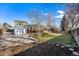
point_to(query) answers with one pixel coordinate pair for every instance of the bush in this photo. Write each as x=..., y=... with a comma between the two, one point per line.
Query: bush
x=10, y=30
x=54, y=30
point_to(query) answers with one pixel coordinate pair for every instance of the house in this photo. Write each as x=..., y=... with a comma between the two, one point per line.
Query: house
x=19, y=22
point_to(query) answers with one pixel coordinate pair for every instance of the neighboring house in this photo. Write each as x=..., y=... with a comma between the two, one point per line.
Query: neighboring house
x=20, y=23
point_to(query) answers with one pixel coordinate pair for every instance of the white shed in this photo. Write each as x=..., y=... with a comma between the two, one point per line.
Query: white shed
x=20, y=31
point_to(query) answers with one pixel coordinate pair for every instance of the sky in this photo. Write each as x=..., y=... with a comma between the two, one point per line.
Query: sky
x=19, y=11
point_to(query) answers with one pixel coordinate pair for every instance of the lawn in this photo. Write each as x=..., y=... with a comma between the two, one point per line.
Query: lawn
x=65, y=39
x=44, y=37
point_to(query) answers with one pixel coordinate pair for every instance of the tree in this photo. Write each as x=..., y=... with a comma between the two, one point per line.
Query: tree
x=72, y=14
x=63, y=24
x=36, y=15
x=6, y=26
x=50, y=21
x=71, y=18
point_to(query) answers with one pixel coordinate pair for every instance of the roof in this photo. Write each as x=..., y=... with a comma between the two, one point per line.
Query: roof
x=20, y=21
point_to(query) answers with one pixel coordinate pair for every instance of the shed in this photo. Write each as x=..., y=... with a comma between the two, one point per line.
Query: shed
x=20, y=31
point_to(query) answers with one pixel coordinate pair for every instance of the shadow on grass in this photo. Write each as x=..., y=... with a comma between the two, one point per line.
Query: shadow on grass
x=48, y=48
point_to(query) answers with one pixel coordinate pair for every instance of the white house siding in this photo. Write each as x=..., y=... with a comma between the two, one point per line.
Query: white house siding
x=20, y=31
x=75, y=34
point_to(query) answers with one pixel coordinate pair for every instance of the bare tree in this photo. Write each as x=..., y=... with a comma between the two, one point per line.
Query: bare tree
x=71, y=18
x=72, y=15
x=35, y=15
x=50, y=21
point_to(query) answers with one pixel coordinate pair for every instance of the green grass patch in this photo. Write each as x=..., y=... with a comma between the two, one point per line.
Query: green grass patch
x=65, y=39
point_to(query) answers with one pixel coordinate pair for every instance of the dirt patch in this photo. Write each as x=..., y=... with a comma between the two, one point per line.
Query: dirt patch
x=15, y=49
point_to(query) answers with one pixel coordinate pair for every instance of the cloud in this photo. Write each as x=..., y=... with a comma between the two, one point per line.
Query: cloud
x=60, y=12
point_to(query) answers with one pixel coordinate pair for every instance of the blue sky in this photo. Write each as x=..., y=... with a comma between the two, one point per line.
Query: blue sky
x=18, y=11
